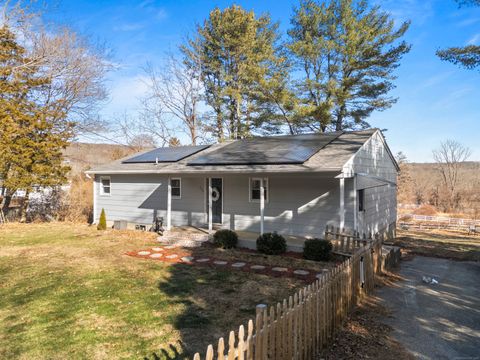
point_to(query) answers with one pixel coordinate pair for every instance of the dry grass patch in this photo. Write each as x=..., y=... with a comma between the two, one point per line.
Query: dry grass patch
x=69, y=291
x=448, y=244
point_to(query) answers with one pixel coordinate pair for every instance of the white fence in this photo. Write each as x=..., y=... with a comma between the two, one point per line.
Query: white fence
x=440, y=219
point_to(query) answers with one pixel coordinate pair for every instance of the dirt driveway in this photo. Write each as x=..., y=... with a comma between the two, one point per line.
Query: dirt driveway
x=439, y=321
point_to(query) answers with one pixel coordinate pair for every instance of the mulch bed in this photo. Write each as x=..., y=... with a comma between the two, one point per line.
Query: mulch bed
x=182, y=252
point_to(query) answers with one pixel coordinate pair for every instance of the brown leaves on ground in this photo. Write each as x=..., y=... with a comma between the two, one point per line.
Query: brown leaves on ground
x=440, y=243
x=364, y=336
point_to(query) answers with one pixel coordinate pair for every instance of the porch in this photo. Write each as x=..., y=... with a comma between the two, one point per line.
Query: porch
x=294, y=205
x=191, y=236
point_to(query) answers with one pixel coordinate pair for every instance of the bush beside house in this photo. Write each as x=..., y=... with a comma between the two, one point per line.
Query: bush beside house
x=317, y=249
x=226, y=239
x=271, y=244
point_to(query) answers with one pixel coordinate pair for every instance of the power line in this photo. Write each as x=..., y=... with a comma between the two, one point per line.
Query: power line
x=103, y=136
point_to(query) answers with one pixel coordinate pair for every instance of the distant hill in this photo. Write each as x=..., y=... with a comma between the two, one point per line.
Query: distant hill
x=83, y=156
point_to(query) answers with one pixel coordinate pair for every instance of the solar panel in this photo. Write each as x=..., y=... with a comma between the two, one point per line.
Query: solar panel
x=295, y=149
x=167, y=154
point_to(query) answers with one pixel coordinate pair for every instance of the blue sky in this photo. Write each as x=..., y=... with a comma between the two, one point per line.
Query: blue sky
x=436, y=99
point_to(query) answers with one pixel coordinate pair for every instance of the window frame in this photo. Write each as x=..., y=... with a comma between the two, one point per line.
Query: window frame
x=102, y=190
x=361, y=200
x=176, y=197
x=250, y=188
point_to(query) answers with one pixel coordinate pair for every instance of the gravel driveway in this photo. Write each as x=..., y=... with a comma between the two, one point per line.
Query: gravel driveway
x=439, y=321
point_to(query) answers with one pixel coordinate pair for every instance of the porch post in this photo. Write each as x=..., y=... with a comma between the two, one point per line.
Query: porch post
x=210, y=227
x=262, y=204
x=355, y=210
x=342, y=202
x=95, y=189
x=169, y=204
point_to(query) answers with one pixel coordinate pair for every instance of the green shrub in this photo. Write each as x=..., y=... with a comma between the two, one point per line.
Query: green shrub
x=102, y=223
x=225, y=239
x=317, y=249
x=271, y=244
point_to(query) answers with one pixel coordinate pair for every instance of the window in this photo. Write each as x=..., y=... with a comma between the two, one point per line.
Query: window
x=176, y=185
x=255, y=189
x=361, y=199
x=105, y=186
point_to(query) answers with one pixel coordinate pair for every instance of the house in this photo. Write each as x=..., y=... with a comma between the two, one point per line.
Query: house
x=294, y=185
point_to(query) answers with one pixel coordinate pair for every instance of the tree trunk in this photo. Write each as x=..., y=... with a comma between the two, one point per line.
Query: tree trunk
x=339, y=122
x=232, y=126
x=219, y=121
x=24, y=208
x=7, y=199
x=193, y=130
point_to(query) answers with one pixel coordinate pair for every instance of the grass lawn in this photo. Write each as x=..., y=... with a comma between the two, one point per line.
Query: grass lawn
x=448, y=244
x=68, y=291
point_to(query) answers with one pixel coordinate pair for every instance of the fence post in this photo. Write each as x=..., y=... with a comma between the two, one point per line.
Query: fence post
x=258, y=332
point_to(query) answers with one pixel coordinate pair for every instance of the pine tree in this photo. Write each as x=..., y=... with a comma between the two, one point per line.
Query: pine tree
x=465, y=56
x=32, y=136
x=237, y=52
x=347, y=53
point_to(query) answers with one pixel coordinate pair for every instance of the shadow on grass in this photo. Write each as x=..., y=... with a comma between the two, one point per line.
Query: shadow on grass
x=194, y=290
x=174, y=352
x=208, y=301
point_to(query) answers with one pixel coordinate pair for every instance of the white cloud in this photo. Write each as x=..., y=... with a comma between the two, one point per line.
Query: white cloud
x=125, y=94
x=474, y=40
x=468, y=22
x=161, y=14
x=436, y=79
x=128, y=27
x=418, y=11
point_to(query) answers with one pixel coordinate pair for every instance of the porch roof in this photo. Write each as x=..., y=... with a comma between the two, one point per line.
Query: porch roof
x=328, y=159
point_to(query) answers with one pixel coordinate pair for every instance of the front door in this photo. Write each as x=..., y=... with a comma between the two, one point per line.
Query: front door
x=217, y=200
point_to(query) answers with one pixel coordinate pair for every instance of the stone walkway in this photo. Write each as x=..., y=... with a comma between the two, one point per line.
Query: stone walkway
x=174, y=254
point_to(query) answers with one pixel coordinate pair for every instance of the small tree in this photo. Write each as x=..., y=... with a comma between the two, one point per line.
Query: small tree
x=448, y=157
x=102, y=223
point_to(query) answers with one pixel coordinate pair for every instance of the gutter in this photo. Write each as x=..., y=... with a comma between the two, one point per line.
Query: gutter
x=213, y=171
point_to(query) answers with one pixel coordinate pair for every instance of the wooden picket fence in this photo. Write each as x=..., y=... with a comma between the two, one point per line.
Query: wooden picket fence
x=300, y=326
x=345, y=242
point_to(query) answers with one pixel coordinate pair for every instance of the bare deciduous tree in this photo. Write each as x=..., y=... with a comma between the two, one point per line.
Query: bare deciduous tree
x=177, y=90
x=76, y=66
x=448, y=157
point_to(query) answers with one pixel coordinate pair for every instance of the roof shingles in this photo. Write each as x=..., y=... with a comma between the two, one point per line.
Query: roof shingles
x=330, y=157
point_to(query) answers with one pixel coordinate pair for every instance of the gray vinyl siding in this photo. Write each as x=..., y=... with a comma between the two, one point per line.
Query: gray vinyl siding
x=139, y=198
x=380, y=201
x=298, y=205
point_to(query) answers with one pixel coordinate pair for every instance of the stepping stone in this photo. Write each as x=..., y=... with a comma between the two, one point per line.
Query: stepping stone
x=156, y=256
x=173, y=256
x=187, y=258
x=301, y=272
x=144, y=253
x=169, y=247
x=279, y=269
x=157, y=249
x=238, y=264
x=257, y=267
x=203, y=260
x=220, y=262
